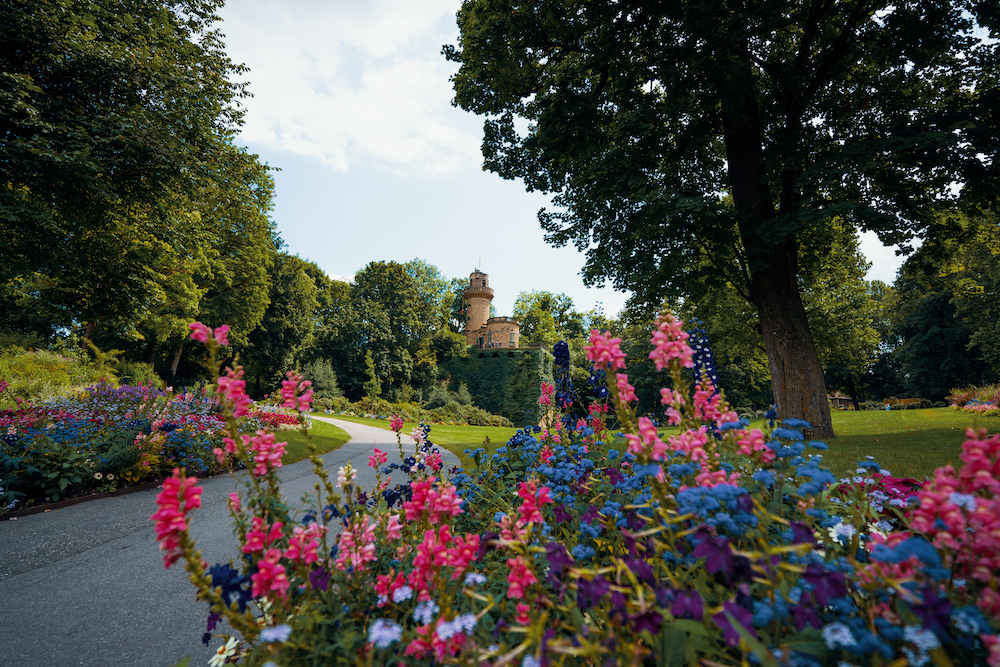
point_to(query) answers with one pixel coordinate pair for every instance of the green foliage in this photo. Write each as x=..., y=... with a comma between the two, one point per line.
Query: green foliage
x=504, y=382
x=53, y=468
x=373, y=388
x=710, y=141
x=38, y=374
x=117, y=142
x=547, y=318
x=323, y=377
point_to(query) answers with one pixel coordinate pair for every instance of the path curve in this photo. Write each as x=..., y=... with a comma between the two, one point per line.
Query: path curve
x=85, y=584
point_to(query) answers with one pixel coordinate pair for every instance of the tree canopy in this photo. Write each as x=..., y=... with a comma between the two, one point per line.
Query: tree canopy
x=708, y=138
x=119, y=180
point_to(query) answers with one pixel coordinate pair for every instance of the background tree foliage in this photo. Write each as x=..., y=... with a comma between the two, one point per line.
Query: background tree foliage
x=646, y=119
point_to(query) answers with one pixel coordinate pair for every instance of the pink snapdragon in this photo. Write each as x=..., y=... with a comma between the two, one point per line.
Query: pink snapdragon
x=232, y=386
x=626, y=392
x=670, y=342
x=752, y=442
x=303, y=545
x=533, y=498
x=393, y=528
x=356, y=545
x=605, y=351
x=647, y=441
x=378, y=458
x=548, y=390
x=296, y=393
x=519, y=577
x=396, y=423
x=270, y=576
x=260, y=536
x=437, y=501
x=178, y=497
x=386, y=585
x=267, y=452
x=203, y=333
x=691, y=443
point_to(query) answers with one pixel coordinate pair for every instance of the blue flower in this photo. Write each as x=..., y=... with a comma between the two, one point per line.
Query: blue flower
x=384, y=633
x=426, y=611
x=278, y=633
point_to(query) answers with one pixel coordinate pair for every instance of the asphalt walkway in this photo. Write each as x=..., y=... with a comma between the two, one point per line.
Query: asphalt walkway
x=85, y=584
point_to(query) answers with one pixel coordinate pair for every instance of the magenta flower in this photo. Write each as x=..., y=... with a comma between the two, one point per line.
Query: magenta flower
x=605, y=351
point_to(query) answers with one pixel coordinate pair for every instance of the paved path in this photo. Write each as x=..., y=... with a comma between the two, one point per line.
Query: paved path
x=85, y=584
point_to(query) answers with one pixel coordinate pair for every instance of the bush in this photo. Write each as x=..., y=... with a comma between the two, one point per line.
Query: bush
x=36, y=375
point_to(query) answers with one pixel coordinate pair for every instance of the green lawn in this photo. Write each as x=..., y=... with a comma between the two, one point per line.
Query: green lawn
x=326, y=438
x=455, y=439
x=909, y=443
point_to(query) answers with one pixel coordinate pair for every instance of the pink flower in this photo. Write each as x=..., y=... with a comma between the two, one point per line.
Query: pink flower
x=268, y=453
x=626, y=392
x=270, y=575
x=234, y=501
x=548, y=390
x=670, y=342
x=519, y=577
x=396, y=423
x=356, y=545
x=605, y=351
x=532, y=501
x=378, y=458
x=523, y=617
x=647, y=441
x=178, y=497
x=295, y=392
x=434, y=461
x=222, y=334
x=260, y=537
x=304, y=543
x=232, y=386
x=393, y=529
x=200, y=332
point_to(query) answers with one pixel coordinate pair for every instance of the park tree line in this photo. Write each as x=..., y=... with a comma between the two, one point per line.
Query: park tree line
x=716, y=158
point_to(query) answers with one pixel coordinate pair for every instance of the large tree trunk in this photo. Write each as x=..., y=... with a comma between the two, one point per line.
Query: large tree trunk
x=772, y=254
x=88, y=331
x=796, y=373
x=177, y=360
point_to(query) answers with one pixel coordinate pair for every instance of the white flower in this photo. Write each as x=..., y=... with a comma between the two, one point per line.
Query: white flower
x=225, y=651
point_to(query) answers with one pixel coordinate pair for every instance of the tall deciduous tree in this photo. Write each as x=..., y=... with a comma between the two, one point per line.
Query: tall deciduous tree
x=114, y=119
x=640, y=115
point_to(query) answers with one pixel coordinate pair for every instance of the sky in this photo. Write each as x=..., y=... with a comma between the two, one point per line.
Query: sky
x=352, y=102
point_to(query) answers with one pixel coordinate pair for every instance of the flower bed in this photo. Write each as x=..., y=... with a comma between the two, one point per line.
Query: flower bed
x=718, y=545
x=105, y=437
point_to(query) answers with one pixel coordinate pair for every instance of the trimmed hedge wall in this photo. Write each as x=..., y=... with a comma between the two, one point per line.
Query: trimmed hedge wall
x=504, y=382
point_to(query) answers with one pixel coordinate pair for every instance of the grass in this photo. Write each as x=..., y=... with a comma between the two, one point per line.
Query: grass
x=326, y=438
x=454, y=438
x=908, y=443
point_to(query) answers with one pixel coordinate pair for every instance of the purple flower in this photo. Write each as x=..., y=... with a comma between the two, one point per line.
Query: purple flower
x=559, y=559
x=278, y=633
x=560, y=513
x=733, y=613
x=688, y=604
x=486, y=544
x=805, y=614
x=589, y=593
x=826, y=585
x=319, y=579
x=649, y=620
x=716, y=551
x=643, y=572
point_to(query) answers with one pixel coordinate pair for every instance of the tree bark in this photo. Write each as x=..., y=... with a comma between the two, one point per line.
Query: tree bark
x=796, y=373
x=177, y=360
x=88, y=331
x=772, y=255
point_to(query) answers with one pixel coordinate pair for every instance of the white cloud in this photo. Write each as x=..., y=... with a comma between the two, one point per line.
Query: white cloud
x=343, y=82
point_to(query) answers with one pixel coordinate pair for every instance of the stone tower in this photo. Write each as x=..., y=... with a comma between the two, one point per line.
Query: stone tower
x=478, y=296
x=481, y=330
